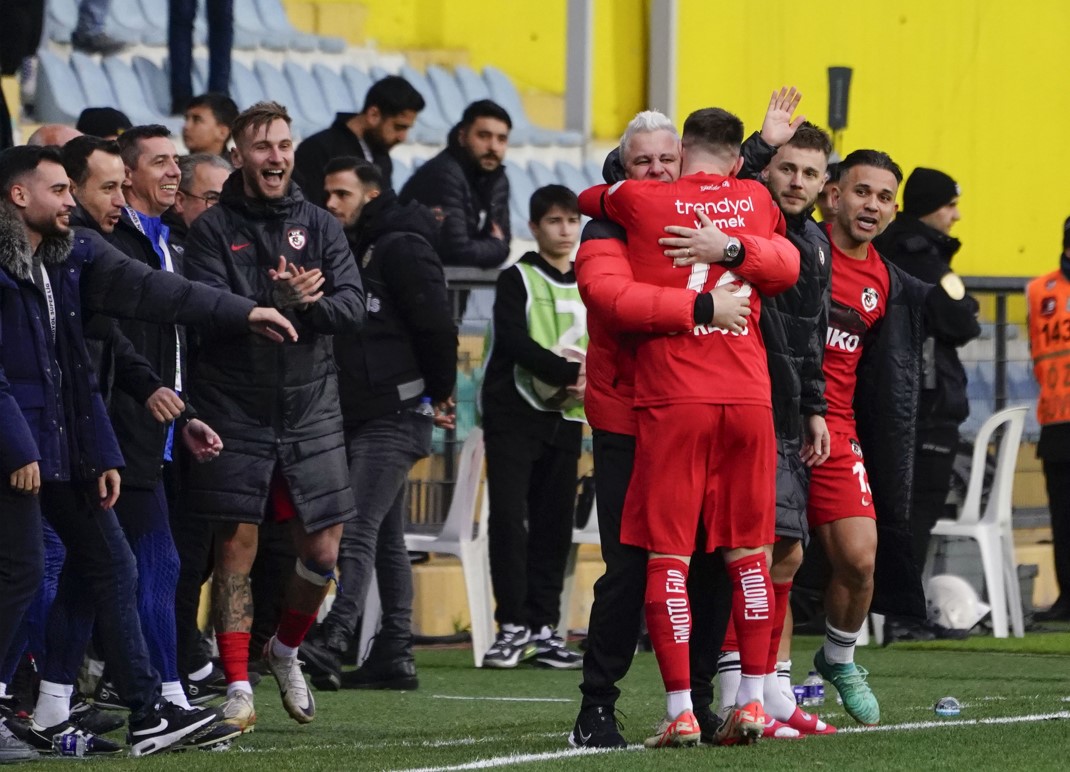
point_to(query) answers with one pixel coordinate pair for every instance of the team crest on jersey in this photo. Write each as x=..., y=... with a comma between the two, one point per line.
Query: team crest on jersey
x=869, y=298
x=1049, y=284
x=297, y=238
x=856, y=448
x=1047, y=306
x=820, y=255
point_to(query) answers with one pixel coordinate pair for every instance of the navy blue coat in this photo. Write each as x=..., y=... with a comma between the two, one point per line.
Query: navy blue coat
x=62, y=422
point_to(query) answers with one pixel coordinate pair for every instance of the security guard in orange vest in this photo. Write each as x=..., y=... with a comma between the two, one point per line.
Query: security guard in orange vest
x=1048, y=299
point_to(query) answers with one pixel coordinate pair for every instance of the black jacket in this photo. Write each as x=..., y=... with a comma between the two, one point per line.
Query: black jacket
x=408, y=347
x=314, y=153
x=272, y=404
x=502, y=406
x=468, y=201
x=926, y=253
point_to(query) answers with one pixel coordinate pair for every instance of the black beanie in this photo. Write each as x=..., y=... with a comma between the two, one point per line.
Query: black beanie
x=102, y=122
x=927, y=190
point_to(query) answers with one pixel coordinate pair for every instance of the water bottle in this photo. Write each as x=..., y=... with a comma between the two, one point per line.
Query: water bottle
x=815, y=690
x=425, y=408
x=68, y=744
x=800, y=693
x=948, y=707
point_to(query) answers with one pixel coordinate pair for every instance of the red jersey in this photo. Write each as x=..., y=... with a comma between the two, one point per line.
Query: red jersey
x=859, y=298
x=709, y=364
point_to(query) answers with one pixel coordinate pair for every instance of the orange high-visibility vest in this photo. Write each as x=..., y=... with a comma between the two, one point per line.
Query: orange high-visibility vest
x=1048, y=299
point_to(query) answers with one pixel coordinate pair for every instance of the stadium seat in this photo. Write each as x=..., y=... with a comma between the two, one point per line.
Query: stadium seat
x=247, y=21
x=126, y=21
x=59, y=97
x=359, y=83
x=520, y=189
x=155, y=83
x=61, y=18
x=991, y=526
x=277, y=87
x=593, y=170
x=309, y=95
x=200, y=75
x=451, y=99
x=431, y=127
x=277, y=23
x=402, y=171
x=131, y=97
x=245, y=88
x=471, y=84
x=571, y=177
x=542, y=175
x=335, y=91
x=462, y=535
x=503, y=91
x=95, y=86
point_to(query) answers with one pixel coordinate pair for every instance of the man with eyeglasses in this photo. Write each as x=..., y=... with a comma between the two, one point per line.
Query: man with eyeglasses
x=203, y=175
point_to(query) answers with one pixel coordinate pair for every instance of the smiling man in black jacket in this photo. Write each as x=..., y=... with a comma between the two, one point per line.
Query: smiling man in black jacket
x=396, y=378
x=276, y=409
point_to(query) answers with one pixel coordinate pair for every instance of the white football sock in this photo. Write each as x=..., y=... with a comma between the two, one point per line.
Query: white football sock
x=840, y=644
x=727, y=679
x=53, y=704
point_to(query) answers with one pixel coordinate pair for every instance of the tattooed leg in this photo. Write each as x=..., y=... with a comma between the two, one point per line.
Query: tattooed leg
x=232, y=596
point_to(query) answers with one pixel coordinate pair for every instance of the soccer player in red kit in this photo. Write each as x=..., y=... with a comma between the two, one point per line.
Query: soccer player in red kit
x=705, y=449
x=840, y=507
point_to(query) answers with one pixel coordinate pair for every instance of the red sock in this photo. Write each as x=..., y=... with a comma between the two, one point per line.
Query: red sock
x=668, y=620
x=234, y=655
x=781, y=591
x=293, y=627
x=752, y=612
x=730, y=641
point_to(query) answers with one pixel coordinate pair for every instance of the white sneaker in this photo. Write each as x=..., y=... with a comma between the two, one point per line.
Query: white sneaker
x=238, y=711
x=296, y=696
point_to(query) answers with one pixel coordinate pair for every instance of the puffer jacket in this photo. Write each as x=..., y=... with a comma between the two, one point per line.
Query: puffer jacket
x=469, y=202
x=273, y=405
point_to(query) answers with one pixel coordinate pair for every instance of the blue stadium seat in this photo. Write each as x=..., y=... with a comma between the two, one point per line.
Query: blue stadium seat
x=245, y=88
x=593, y=170
x=155, y=83
x=61, y=18
x=59, y=97
x=335, y=91
x=1021, y=385
x=472, y=86
x=542, y=175
x=358, y=82
x=276, y=87
x=377, y=73
x=503, y=91
x=571, y=177
x=521, y=186
x=451, y=100
x=200, y=75
x=309, y=95
x=431, y=127
x=247, y=20
x=126, y=21
x=98, y=91
x=402, y=172
x=131, y=98
x=273, y=17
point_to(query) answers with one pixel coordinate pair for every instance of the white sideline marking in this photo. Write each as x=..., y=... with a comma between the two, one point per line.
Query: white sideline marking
x=527, y=758
x=502, y=699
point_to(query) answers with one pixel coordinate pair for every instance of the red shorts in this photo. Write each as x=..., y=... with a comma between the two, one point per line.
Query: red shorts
x=708, y=464
x=280, y=506
x=839, y=488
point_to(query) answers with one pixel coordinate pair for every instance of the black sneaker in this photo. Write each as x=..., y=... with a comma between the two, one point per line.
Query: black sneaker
x=550, y=651
x=216, y=737
x=709, y=722
x=322, y=664
x=106, y=697
x=97, y=43
x=91, y=718
x=41, y=738
x=202, y=690
x=509, y=647
x=398, y=674
x=12, y=749
x=167, y=725
x=597, y=727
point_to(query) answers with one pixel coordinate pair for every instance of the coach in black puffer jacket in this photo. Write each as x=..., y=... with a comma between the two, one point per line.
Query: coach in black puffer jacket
x=468, y=191
x=272, y=405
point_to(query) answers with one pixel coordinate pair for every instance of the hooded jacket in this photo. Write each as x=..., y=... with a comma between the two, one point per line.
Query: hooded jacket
x=51, y=410
x=924, y=252
x=272, y=404
x=468, y=201
x=408, y=347
x=337, y=140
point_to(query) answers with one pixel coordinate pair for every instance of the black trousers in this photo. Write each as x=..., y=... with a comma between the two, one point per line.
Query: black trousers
x=1057, y=480
x=532, y=488
x=22, y=560
x=936, y=448
x=616, y=613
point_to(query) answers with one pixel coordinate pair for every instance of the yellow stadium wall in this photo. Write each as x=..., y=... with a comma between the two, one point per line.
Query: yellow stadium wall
x=976, y=88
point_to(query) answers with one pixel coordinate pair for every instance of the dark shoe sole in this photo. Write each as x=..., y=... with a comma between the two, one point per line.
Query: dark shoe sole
x=325, y=682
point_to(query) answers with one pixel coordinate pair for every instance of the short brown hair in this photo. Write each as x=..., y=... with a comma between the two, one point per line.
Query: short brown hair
x=256, y=117
x=810, y=137
x=714, y=130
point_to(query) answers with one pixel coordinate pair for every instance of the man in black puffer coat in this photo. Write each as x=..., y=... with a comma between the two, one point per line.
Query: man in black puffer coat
x=276, y=409
x=465, y=185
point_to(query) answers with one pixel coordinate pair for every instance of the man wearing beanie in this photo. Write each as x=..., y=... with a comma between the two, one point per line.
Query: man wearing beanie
x=919, y=242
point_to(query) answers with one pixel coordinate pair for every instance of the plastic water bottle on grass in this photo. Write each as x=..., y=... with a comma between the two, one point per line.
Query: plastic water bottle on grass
x=815, y=690
x=948, y=707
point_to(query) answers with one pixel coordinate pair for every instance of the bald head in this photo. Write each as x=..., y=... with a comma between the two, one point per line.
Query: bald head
x=53, y=134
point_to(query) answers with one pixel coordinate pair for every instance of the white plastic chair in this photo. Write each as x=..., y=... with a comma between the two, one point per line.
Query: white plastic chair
x=463, y=537
x=586, y=535
x=991, y=529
